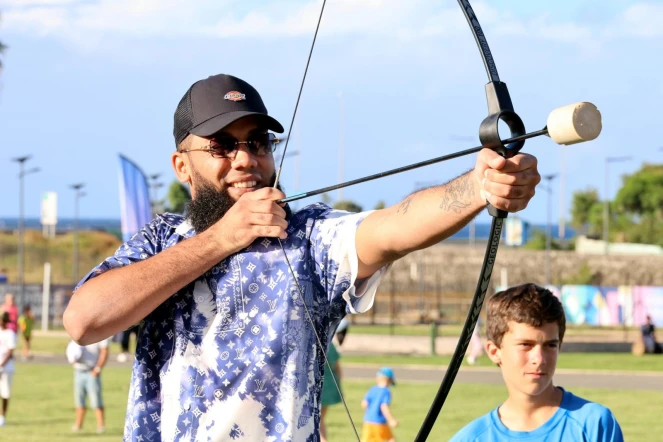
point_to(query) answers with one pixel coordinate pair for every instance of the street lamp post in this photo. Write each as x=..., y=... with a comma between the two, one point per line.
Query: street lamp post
x=155, y=187
x=78, y=194
x=21, y=252
x=548, y=178
x=606, y=202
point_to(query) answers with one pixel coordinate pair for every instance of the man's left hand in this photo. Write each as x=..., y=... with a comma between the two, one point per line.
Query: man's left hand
x=506, y=183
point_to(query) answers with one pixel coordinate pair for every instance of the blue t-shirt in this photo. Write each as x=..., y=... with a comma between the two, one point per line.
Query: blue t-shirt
x=576, y=420
x=232, y=355
x=375, y=397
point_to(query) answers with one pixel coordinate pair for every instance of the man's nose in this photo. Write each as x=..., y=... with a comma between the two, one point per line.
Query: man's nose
x=244, y=158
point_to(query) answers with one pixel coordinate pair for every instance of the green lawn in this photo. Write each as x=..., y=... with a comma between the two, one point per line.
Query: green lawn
x=41, y=408
x=578, y=361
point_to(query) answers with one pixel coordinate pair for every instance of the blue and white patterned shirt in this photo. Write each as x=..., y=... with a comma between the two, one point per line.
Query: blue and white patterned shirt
x=232, y=356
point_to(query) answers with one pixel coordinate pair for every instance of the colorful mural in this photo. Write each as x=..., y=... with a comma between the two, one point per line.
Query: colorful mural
x=603, y=306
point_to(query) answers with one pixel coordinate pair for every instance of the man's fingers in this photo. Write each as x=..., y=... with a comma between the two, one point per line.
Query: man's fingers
x=493, y=160
x=266, y=193
x=490, y=159
x=268, y=219
x=507, y=191
x=270, y=231
x=518, y=163
x=508, y=205
x=522, y=178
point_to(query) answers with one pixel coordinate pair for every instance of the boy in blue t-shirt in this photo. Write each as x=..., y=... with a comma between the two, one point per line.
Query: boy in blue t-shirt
x=378, y=419
x=525, y=326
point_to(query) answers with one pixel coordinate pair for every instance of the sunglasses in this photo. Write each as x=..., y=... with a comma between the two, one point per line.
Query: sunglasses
x=225, y=146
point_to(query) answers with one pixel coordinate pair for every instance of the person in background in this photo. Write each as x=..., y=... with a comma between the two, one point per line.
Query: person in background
x=25, y=323
x=378, y=419
x=124, y=343
x=9, y=306
x=649, y=337
x=330, y=394
x=476, y=347
x=88, y=361
x=7, y=347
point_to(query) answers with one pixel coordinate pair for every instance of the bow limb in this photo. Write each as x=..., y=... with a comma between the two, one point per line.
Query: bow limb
x=499, y=108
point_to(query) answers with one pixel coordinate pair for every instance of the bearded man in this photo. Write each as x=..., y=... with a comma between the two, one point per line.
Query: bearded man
x=226, y=350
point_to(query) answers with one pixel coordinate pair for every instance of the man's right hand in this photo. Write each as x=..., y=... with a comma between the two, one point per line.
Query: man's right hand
x=254, y=215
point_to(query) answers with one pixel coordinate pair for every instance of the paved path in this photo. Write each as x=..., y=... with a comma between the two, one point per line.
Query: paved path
x=477, y=375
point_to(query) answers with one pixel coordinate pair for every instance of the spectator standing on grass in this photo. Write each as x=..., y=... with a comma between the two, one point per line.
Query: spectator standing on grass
x=378, y=420
x=9, y=306
x=7, y=347
x=124, y=343
x=330, y=394
x=476, y=346
x=525, y=328
x=25, y=323
x=649, y=336
x=88, y=362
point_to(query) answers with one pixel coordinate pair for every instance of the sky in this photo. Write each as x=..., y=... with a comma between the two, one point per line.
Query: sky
x=394, y=82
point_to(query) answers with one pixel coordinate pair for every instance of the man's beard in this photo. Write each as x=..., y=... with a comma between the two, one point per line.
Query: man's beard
x=211, y=204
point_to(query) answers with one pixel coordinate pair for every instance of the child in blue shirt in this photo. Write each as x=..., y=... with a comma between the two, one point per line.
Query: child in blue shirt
x=525, y=326
x=378, y=419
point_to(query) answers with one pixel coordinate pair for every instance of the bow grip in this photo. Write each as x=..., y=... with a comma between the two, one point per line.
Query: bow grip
x=500, y=108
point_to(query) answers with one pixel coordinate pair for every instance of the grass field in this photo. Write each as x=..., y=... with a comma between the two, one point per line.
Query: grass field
x=577, y=361
x=42, y=407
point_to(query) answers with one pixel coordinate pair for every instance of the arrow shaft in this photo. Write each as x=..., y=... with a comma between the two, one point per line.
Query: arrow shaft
x=386, y=173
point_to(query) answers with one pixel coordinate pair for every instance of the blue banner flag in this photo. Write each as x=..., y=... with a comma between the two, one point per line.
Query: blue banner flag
x=135, y=207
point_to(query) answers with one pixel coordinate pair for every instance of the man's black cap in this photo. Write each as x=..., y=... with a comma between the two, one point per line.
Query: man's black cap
x=212, y=104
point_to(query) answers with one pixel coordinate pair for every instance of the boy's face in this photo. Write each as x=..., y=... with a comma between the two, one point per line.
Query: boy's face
x=527, y=357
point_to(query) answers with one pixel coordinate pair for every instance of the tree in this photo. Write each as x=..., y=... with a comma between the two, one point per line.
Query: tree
x=380, y=205
x=347, y=205
x=642, y=192
x=585, y=209
x=640, y=201
x=178, y=197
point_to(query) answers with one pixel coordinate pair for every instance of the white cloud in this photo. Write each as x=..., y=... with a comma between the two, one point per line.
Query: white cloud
x=405, y=20
x=641, y=20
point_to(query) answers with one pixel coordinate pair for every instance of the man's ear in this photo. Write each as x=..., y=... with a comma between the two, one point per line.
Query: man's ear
x=494, y=353
x=181, y=167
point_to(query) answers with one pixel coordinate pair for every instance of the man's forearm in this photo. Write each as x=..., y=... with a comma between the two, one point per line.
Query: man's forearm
x=422, y=219
x=120, y=298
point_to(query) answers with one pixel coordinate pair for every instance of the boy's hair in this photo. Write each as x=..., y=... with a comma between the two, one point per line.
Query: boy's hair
x=4, y=319
x=525, y=304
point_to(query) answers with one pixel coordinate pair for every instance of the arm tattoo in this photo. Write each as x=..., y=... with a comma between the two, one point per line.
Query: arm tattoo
x=457, y=194
x=405, y=205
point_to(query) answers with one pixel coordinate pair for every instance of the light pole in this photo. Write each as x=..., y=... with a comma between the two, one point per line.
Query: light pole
x=549, y=179
x=341, y=148
x=606, y=202
x=21, y=253
x=155, y=187
x=78, y=194
x=561, y=229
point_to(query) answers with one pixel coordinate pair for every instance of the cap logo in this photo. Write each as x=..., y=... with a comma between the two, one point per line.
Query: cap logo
x=234, y=96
